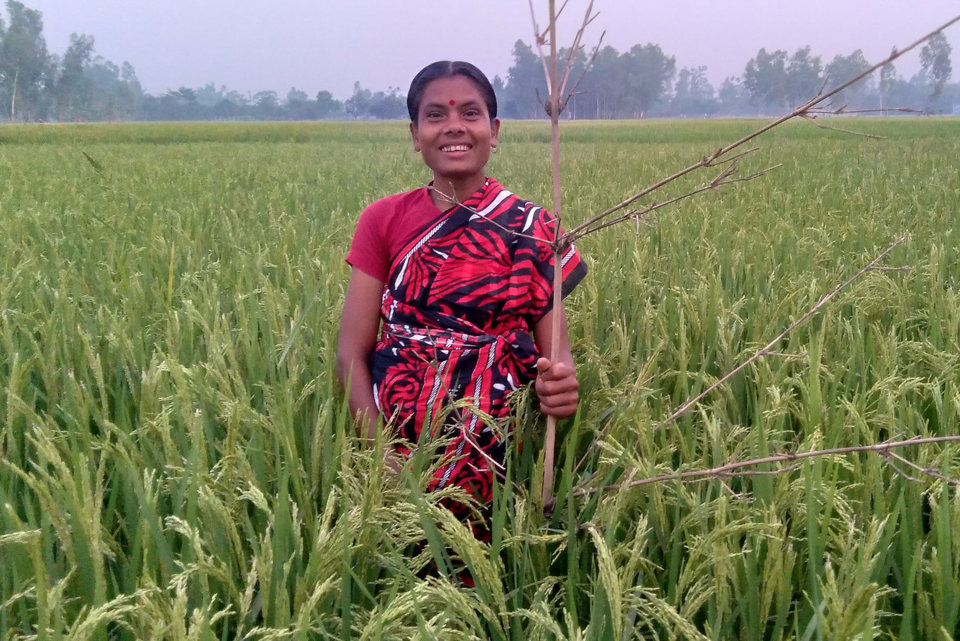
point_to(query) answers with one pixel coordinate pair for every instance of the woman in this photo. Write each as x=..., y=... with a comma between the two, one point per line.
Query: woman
x=454, y=277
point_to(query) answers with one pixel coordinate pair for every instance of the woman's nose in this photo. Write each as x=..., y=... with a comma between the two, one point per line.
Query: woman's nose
x=455, y=123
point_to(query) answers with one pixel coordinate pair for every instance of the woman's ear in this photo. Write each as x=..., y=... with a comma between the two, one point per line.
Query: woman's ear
x=415, y=135
x=495, y=138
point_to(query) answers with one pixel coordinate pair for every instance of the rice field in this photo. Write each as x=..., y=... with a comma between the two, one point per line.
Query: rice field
x=176, y=461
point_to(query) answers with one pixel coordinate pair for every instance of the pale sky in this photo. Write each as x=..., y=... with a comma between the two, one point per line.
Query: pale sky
x=250, y=45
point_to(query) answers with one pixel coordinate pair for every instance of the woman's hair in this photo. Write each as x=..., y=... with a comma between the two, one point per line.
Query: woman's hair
x=447, y=69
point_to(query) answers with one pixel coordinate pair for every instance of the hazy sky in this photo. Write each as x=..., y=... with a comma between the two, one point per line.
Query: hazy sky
x=325, y=44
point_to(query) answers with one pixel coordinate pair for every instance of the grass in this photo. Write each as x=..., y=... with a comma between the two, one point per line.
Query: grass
x=176, y=462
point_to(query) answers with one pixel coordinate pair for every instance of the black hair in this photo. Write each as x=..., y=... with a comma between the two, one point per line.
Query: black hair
x=447, y=69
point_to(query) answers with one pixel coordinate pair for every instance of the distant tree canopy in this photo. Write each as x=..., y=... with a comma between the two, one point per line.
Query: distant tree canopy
x=644, y=81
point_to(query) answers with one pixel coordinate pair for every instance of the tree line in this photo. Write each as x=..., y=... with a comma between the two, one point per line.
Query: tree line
x=643, y=81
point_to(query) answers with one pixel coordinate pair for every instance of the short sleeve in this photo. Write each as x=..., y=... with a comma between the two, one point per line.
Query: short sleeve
x=369, y=251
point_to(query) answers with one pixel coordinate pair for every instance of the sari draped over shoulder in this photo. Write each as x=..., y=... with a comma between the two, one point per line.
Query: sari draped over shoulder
x=460, y=302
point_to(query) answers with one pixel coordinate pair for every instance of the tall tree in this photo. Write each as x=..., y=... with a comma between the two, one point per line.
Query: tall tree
x=116, y=92
x=732, y=97
x=526, y=88
x=843, y=68
x=765, y=80
x=693, y=94
x=935, y=62
x=358, y=105
x=603, y=87
x=74, y=90
x=804, y=76
x=888, y=78
x=25, y=65
x=327, y=105
x=298, y=105
x=649, y=73
x=266, y=105
x=388, y=105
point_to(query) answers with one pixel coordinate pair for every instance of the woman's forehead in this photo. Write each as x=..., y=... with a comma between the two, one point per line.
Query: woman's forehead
x=458, y=88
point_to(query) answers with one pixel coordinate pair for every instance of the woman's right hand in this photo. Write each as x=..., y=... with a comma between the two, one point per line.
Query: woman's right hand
x=359, y=324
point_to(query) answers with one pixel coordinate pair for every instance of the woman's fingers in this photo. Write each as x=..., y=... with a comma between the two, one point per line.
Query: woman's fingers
x=557, y=388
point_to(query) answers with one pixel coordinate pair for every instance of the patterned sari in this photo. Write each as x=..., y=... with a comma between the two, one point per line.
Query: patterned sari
x=460, y=302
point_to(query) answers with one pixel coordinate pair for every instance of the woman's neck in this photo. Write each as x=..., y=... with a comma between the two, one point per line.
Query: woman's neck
x=447, y=192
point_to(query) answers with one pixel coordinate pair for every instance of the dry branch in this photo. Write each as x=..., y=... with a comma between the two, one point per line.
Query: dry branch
x=557, y=100
x=767, y=350
x=736, y=468
x=806, y=109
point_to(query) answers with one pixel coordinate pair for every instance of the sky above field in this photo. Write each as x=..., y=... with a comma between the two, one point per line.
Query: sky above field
x=321, y=44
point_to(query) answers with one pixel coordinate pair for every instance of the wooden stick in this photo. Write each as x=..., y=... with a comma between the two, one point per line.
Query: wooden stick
x=551, y=435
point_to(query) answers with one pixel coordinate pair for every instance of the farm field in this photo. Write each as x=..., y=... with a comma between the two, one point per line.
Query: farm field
x=176, y=461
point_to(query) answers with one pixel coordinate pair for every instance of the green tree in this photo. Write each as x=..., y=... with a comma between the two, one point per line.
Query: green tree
x=609, y=83
x=74, y=89
x=526, y=87
x=25, y=65
x=888, y=79
x=117, y=92
x=649, y=73
x=843, y=68
x=732, y=97
x=804, y=76
x=92, y=88
x=693, y=94
x=389, y=105
x=266, y=105
x=935, y=62
x=358, y=105
x=326, y=105
x=298, y=105
x=765, y=80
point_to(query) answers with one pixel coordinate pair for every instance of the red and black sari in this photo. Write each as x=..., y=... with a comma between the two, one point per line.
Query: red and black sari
x=460, y=302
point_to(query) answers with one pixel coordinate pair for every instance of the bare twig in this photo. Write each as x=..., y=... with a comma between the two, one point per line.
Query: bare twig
x=815, y=122
x=928, y=471
x=555, y=103
x=805, y=109
x=737, y=468
x=453, y=200
x=767, y=350
x=724, y=178
x=843, y=111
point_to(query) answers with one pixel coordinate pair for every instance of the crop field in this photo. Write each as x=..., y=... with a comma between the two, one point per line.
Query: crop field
x=176, y=461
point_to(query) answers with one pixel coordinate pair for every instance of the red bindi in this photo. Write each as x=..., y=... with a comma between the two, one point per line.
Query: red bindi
x=453, y=102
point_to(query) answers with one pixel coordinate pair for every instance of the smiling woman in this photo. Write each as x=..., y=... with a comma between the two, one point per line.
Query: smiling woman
x=449, y=304
x=455, y=132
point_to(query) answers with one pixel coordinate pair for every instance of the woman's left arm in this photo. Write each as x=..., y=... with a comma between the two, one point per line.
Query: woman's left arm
x=556, y=382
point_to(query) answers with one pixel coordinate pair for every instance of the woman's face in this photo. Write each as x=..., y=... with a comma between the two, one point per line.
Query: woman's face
x=454, y=133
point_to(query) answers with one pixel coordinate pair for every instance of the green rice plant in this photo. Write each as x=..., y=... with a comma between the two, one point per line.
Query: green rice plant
x=176, y=460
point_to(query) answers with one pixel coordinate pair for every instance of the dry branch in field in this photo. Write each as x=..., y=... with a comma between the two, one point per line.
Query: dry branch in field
x=738, y=468
x=767, y=350
x=558, y=96
x=806, y=111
